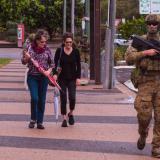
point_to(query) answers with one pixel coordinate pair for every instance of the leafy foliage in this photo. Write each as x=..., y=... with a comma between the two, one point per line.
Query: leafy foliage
x=11, y=31
x=104, y=14
x=35, y=14
x=127, y=9
x=2, y=29
x=119, y=53
x=78, y=14
x=135, y=26
x=124, y=9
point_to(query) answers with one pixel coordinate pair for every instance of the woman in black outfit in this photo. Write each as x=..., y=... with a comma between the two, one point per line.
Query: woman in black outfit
x=67, y=61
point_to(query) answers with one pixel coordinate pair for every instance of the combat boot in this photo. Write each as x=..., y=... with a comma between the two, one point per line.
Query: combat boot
x=156, y=152
x=141, y=142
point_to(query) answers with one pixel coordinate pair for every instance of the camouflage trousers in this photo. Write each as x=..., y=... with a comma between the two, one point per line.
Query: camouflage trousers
x=146, y=103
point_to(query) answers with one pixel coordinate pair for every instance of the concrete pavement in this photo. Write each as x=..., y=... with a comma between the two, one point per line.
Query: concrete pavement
x=105, y=128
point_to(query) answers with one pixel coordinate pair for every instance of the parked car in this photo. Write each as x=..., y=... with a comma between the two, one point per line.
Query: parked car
x=120, y=41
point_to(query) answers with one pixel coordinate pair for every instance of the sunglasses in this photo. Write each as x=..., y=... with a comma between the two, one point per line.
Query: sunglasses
x=152, y=23
x=68, y=42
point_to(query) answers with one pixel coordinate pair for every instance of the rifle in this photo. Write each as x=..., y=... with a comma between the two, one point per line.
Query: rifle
x=141, y=44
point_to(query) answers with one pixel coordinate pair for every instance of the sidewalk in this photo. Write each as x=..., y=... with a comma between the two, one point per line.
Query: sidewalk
x=105, y=129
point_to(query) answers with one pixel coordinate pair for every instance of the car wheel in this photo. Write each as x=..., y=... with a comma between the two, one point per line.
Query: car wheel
x=116, y=45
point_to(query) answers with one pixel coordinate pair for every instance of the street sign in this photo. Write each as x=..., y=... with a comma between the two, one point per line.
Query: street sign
x=149, y=6
x=155, y=6
x=144, y=6
x=20, y=35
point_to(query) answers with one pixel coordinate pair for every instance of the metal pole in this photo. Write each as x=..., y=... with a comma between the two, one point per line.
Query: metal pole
x=108, y=12
x=92, y=46
x=106, y=83
x=64, y=16
x=87, y=14
x=112, y=26
x=109, y=47
x=97, y=42
x=72, y=16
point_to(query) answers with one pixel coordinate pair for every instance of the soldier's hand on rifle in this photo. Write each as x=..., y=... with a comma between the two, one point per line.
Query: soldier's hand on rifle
x=150, y=52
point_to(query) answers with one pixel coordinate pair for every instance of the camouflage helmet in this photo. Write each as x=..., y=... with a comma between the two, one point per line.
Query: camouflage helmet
x=152, y=18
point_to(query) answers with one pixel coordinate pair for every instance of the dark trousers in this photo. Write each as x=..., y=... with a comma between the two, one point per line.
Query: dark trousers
x=38, y=87
x=70, y=86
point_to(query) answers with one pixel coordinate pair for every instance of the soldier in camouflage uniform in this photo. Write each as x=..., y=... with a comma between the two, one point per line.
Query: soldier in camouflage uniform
x=148, y=84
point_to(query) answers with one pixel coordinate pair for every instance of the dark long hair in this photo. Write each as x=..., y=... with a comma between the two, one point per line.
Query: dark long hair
x=68, y=35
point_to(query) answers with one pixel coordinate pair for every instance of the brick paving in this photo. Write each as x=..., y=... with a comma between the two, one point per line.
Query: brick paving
x=105, y=128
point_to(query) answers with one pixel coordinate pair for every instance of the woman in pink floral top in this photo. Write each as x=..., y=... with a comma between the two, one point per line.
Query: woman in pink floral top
x=37, y=82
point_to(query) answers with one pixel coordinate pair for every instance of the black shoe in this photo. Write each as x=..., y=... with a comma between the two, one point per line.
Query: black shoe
x=31, y=124
x=71, y=119
x=64, y=123
x=141, y=142
x=40, y=126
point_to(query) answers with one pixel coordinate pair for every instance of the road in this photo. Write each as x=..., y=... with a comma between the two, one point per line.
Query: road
x=13, y=53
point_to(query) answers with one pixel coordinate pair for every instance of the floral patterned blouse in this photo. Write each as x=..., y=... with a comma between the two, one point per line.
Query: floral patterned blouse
x=44, y=58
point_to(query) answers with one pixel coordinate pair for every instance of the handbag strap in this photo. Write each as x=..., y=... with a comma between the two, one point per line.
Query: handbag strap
x=58, y=64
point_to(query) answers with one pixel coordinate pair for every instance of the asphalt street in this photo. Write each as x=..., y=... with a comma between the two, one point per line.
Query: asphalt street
x=14, y=53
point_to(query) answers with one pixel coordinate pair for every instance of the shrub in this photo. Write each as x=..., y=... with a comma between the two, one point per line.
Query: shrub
x=119, y=53
x=11, y=31
x=2, y=29
x=134, y=26
x=11, y=24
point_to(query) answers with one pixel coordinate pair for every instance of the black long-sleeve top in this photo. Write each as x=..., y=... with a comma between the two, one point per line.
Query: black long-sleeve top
x=70, y=64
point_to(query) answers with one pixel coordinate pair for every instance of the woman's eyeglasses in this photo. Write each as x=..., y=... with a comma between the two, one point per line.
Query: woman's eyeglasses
x=68, y=42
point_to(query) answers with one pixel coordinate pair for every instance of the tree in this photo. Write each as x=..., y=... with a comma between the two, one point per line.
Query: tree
x=127, y=9
x=79, y=11
x=45, y=14
x=104, y=7
x=133, y=26
x=38, y=14
x=11, y=10
x=124, y=9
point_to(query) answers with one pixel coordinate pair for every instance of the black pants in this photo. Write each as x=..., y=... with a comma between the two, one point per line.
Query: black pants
x=70, y=86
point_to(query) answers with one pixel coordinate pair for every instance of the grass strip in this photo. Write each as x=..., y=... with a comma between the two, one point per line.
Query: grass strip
x=4, y=61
